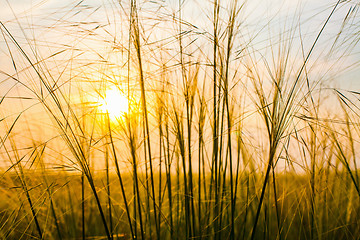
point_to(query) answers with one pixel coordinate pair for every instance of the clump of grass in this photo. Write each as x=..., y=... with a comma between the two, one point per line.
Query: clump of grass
x=212, y=122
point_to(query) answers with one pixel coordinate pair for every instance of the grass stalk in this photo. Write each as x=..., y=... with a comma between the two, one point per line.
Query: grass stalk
x=137, y=44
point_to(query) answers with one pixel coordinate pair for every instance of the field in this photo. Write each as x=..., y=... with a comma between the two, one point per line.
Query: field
x=179, y=120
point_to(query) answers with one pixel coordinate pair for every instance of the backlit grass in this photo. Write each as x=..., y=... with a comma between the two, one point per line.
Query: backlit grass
x=136, y=123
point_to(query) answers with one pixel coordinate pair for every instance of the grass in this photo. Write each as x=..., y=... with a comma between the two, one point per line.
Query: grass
x=223, y=138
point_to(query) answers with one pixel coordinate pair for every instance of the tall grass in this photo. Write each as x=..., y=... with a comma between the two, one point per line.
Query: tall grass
x=223, y=138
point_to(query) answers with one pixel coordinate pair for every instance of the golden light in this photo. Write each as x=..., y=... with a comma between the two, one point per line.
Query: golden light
x=115, y=103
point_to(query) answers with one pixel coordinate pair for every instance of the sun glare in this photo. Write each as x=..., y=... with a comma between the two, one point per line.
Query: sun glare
x=115, y=103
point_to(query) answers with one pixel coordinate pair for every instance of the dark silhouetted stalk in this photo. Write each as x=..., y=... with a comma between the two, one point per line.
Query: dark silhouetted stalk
x=137, y=44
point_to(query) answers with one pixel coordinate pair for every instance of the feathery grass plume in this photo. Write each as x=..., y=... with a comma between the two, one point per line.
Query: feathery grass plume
x=279, y=112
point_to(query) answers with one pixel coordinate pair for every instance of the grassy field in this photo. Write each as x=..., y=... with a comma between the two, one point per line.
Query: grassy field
x=137, y=120
x=334, y=210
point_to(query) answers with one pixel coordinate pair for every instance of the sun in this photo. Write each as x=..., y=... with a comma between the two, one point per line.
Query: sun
x=115, y=103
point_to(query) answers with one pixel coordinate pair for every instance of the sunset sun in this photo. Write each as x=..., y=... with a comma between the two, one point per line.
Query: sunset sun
x=115, y=103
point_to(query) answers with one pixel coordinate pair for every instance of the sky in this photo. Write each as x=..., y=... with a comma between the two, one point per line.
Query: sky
x=263, y=18
x=46, y=27
x=94, y=30
x=91, y=28
x=97, y=29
